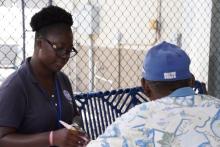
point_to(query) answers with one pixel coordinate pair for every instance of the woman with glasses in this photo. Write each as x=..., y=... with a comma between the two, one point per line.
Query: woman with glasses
x=38, y=95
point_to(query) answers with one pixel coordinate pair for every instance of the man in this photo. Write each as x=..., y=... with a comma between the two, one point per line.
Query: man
x=175, y=116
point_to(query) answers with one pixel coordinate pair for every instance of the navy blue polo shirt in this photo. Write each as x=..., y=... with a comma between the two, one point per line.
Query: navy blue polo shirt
x=26, y=106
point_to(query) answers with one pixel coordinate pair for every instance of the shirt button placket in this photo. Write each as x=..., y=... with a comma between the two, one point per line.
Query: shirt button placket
x=52, y=96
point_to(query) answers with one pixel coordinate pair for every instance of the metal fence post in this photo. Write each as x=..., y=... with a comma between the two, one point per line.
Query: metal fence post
x=23, y=28
x=214, y=54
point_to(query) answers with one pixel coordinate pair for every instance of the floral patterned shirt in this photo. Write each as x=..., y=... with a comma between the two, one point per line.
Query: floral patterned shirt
x=182, y=119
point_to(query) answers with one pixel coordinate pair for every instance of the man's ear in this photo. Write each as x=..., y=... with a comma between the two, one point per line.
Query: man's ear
x=192, y=81
x=145, y=86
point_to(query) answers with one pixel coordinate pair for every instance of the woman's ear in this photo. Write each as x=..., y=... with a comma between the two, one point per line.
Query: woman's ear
x=38, y=43
x=145, y=86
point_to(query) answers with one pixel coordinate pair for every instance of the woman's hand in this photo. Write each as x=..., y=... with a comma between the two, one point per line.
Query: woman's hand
x=70, y=138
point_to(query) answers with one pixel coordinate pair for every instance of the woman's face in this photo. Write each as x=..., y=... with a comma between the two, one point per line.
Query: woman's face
x=55, y=49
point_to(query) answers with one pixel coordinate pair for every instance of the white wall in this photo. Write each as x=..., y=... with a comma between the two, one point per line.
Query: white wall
x=129, y=18
x=191, y=19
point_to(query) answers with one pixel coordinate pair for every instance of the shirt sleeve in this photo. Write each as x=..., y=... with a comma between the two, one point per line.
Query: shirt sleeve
x=118, y=133
x=12, y=104
x=111, y=138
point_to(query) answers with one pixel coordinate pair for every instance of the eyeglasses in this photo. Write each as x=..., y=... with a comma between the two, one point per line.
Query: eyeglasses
x=61, y=51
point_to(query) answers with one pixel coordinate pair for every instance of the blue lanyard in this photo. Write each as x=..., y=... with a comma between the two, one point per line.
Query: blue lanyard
x=59, y=103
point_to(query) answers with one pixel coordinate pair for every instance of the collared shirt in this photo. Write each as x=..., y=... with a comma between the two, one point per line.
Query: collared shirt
x=26, y=106
x=182, y=119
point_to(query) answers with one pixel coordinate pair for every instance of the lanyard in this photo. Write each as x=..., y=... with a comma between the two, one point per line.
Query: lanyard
x=59, y=103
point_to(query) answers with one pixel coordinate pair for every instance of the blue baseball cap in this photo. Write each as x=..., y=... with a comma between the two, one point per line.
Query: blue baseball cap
x=166, y=62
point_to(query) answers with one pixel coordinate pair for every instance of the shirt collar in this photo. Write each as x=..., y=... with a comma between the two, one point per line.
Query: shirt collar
x=29, y=70
x=185, y=91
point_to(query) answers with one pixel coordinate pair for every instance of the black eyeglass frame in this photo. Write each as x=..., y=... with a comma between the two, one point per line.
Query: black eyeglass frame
x=61, y=51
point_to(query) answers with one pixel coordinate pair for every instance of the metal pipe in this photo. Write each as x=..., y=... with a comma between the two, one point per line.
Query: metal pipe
x=50, y=2
x=119, y=38
x=91, y=63
x=159, y=17
x=23, y=28
x=119, y=65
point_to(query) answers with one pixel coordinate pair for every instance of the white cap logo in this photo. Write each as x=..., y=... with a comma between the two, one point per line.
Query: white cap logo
x=169, y=75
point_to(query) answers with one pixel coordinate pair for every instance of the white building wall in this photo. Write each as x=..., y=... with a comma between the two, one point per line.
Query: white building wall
x=192, y=20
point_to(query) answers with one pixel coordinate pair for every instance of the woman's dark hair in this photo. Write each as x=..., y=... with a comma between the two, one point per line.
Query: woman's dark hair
x=50, y=15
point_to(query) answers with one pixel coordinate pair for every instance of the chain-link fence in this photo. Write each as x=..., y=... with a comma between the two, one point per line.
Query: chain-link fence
x=112, y=37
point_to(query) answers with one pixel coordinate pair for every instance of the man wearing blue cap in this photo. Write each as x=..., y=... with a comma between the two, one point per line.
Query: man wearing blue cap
x=175, y=116
x=165, y=69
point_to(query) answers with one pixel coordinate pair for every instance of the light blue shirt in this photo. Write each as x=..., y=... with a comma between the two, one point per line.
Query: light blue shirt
x=182, y=119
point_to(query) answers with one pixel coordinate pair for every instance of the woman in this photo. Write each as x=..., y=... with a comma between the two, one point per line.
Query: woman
x=38, y=94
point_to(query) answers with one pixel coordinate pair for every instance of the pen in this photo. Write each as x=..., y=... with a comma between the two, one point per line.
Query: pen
x=66, y=125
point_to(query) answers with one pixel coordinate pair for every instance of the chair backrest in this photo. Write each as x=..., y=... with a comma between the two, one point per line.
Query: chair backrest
x=100, y=109
x=200, y=87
